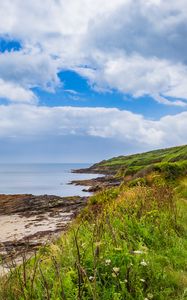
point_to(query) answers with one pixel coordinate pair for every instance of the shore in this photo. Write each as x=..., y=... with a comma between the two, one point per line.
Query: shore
x=97, y=184
x=29, y=221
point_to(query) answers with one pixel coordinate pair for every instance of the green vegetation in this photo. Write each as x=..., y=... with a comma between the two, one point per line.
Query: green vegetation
x=130, y=242
x=132, y=164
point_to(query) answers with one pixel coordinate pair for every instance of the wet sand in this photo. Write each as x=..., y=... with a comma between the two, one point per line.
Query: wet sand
x=28, y=221
x=16, y=227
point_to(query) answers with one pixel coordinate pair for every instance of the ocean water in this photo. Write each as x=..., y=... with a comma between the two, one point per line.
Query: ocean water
x=39, y=179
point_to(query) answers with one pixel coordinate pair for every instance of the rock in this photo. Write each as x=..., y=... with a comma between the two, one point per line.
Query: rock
x=29, y=221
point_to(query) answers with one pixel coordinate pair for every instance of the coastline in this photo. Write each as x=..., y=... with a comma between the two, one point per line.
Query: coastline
x=29, y=221
x=106, y=179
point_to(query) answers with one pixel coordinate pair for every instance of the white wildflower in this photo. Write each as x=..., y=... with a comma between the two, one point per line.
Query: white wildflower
x=91, y=278
x=107, y=262
x=138, y=252
x=143, y=263
x=116, y=270
x=150, y=296
x=142, y=280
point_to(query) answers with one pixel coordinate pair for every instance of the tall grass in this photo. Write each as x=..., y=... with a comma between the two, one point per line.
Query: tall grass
x=129, y=243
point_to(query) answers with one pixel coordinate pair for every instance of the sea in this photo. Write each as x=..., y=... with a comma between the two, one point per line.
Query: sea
x=40, y=179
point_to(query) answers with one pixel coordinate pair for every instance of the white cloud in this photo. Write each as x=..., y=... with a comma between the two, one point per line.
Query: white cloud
x=136, y=47
x=139, y=76
x=23, y=70
x=15, y=93
x=25, y=121
x=29, y=68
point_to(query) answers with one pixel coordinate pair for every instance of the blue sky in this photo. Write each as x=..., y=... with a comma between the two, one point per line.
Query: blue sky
x=76, y=91
x=9, y=45
x=80, y=87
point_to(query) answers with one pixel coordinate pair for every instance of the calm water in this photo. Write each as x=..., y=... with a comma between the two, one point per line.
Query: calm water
x=41, y=179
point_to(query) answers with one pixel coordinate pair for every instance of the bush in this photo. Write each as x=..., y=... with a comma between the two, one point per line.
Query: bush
x=137, y=182
x=171, y=171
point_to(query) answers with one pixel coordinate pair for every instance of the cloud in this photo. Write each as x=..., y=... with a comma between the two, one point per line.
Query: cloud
x=135, y=47
x=29, y=68
x=33, y=122
x=15, y=93
x=149, y=28
x=139, y=76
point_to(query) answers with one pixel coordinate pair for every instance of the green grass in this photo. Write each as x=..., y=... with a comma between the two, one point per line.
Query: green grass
x=131, y=164
x=130, y=242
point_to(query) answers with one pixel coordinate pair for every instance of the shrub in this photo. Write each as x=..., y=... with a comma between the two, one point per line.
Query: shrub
x=137, y=182
x=171, y=171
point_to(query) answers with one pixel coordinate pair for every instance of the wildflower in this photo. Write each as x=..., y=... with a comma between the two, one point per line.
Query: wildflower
x=107, y=262
x=91, y=278
x=138, y=252
x=115, y=272
x=143, y=263
x=142, y=280
x=118, y=249
x=126, y=280
x=146, y=299
x=150, y=296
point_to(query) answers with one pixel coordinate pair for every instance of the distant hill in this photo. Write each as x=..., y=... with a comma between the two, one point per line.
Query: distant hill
x=131, y=164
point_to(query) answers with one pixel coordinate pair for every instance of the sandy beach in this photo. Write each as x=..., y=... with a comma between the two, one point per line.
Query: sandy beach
x=28, y=221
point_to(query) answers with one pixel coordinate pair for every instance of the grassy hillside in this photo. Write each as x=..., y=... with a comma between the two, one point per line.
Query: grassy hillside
x=130, y=242
x=131, y=164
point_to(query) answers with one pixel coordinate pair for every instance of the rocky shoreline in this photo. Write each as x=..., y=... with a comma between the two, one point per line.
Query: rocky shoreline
x=107, y=179
x=28, y=221
x=96, y=169
x=97, y=184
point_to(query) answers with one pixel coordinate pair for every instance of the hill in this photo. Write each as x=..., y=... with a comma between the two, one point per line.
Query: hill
x=129, y=242
x=136, y=162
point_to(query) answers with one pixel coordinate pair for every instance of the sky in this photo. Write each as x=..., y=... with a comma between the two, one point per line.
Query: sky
x=82, y=82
